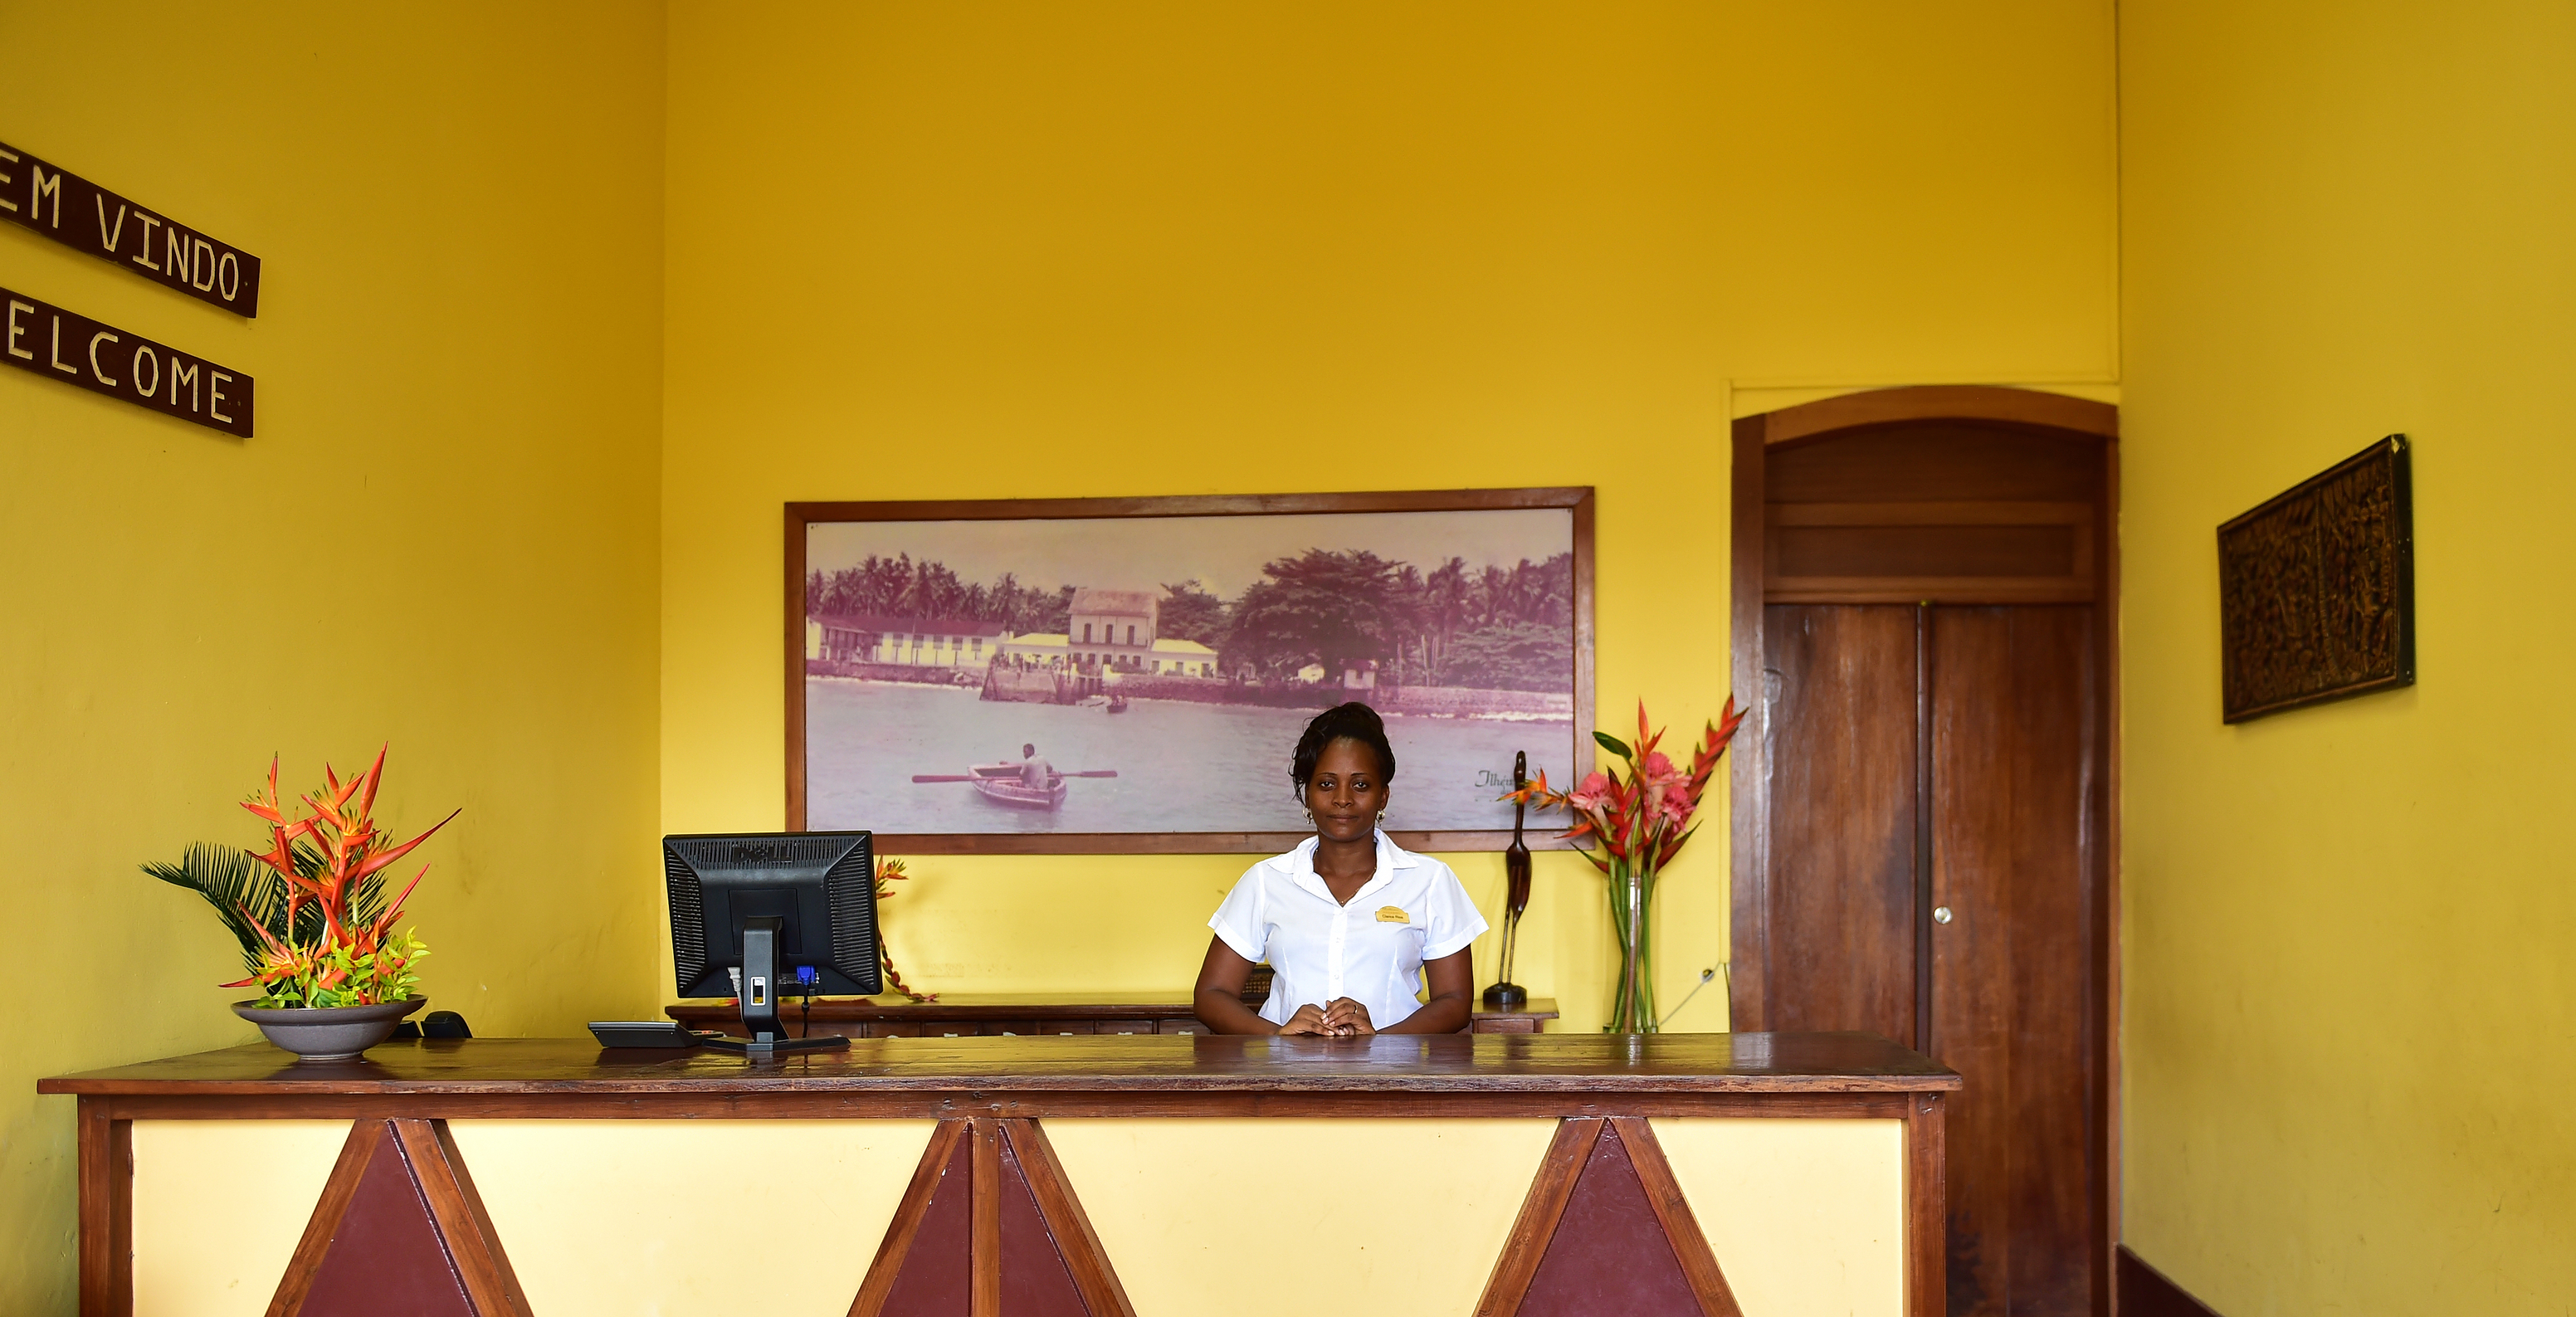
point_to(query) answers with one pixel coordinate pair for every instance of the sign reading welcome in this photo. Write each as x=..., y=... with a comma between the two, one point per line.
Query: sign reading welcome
x=70, y=347
x=82, y=215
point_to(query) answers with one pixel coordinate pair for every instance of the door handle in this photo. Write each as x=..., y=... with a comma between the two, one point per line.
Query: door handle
x=1940, y=914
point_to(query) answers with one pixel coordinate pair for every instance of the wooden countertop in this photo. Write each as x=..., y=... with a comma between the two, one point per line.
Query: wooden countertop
x=987, y=1070
x=1018, y=1006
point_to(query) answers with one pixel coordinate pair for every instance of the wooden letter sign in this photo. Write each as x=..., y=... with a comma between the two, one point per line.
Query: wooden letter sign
x=70, y=347
x=2316, y=588
x=64, y=206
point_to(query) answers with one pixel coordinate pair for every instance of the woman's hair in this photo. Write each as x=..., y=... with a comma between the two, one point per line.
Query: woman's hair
x=1354, y=722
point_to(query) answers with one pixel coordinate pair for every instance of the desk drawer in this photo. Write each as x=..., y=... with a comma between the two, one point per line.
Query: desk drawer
x=1179, y=1026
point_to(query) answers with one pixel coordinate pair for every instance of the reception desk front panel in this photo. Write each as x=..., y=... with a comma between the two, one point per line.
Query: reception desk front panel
x=1760, y=1174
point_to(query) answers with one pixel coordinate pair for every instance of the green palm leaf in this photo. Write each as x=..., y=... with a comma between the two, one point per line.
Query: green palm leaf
x=249, y=896
x=246, y=894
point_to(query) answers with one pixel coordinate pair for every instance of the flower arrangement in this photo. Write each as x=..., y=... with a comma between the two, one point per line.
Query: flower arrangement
x=310, y=911
x=1636, y=824
x=890, y=872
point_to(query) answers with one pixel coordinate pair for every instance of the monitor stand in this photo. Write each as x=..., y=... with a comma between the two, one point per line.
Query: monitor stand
x=760, y=999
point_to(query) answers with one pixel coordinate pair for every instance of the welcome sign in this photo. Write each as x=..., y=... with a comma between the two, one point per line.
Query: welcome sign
x=81, y=215
x=70, y=347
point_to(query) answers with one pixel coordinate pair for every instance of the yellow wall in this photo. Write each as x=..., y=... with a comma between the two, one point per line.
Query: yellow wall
x=912, y=251
x=458, y=370
x=1042, y=250
x=2347, y=929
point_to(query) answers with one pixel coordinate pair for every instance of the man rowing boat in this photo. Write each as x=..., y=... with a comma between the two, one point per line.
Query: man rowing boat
x=1035, y=773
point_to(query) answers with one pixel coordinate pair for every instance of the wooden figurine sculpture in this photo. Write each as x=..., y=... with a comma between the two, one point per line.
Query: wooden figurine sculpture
x=1505, y=994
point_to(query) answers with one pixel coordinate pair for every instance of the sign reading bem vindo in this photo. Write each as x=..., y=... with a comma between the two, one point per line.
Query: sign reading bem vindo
x=85, y=217
x=75, y=349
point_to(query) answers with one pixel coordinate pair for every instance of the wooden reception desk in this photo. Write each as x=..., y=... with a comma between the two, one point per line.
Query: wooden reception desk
x=1030, y=1015
x=1772, y=1174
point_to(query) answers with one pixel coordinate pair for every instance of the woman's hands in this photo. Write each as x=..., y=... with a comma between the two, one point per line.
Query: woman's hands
x=1345, y=1018
x=1308, y=1019
x=1342, y=1018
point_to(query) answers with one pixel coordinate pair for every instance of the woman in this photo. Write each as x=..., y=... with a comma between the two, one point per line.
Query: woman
x=1348, y=920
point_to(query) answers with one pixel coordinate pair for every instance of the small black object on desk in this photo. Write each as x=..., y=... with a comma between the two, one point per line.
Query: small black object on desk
x=437, y=1024
x=645, y=1033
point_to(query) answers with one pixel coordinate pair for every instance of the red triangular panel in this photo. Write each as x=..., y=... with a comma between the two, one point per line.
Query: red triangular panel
x=1035, y=1280
x=934, y=1277
x=1608, y=1257
x=386, y=1258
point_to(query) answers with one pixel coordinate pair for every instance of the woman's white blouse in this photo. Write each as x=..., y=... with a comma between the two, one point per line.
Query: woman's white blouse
x=1371, y=951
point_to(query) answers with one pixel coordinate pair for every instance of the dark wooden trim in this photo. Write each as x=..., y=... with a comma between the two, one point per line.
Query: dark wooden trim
x=1194, y=505
x=984, y=1222
x=969, y=1015
x=1941, y=402
x=106, y=1174
x=337, y=1191
x=457, y=1210
x=2147, y=1292
x=1076, y=1242
x=1186, y=843
x=1673, y=1212
x=1855, y=1105
x=915, y=1204
x=1749, y=775
x=1585, y=700
x=1541, y=1208
x=1922, y=827
x=1390, y=1065
x=2081, y=584
x=793, y=651
x=2103, y=918
x=1927, y=1224
x=1578, y=499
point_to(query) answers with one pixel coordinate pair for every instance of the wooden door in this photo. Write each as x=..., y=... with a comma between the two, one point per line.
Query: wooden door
x=1841, y=689
x=1922, y=849
x=2009, y=786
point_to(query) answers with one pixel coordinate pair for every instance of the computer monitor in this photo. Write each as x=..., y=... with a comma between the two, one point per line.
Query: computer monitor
x=767, y=904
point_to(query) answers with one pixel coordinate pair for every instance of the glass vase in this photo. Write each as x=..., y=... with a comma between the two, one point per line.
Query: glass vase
x=1632, y=891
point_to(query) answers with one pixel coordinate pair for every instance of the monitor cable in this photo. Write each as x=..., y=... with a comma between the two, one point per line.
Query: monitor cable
x=806, y=978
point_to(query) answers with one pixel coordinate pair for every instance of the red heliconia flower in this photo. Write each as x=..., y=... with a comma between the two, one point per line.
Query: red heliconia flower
x=338, y=823
x=1641, y=819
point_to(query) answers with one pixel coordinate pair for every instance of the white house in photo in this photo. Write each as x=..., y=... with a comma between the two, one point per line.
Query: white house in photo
x=1113, y=629
x=912, y=642
x=1181, y=658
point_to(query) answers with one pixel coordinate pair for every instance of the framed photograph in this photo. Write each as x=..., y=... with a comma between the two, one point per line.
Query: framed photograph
x=2316, y=588
x=1119, y=675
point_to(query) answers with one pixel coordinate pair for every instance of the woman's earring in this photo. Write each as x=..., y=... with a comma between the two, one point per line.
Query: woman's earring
x=1381, y=816
x=1310, y=818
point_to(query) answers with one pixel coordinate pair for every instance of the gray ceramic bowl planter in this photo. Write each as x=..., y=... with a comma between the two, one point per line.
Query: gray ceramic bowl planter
x=328, y=1033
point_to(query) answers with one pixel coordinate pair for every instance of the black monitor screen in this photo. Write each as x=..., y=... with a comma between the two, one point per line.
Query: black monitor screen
x=821, y=886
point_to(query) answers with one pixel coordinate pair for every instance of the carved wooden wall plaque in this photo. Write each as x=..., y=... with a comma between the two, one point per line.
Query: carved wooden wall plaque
x=2316, y=588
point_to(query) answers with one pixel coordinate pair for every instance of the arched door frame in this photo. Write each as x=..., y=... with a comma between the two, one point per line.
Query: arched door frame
x=1750, y=797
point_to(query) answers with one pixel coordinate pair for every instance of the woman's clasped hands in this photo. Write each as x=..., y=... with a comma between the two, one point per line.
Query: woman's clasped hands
x=1339, y=1018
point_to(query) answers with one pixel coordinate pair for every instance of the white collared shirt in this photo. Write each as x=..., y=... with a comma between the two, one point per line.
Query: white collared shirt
x=1371, y=950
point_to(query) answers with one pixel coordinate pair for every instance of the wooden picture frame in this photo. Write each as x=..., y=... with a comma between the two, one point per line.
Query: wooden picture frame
x=854, y=657
x=2316, y=588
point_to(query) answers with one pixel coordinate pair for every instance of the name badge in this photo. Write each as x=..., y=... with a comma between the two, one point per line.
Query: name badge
x=1387, y=914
